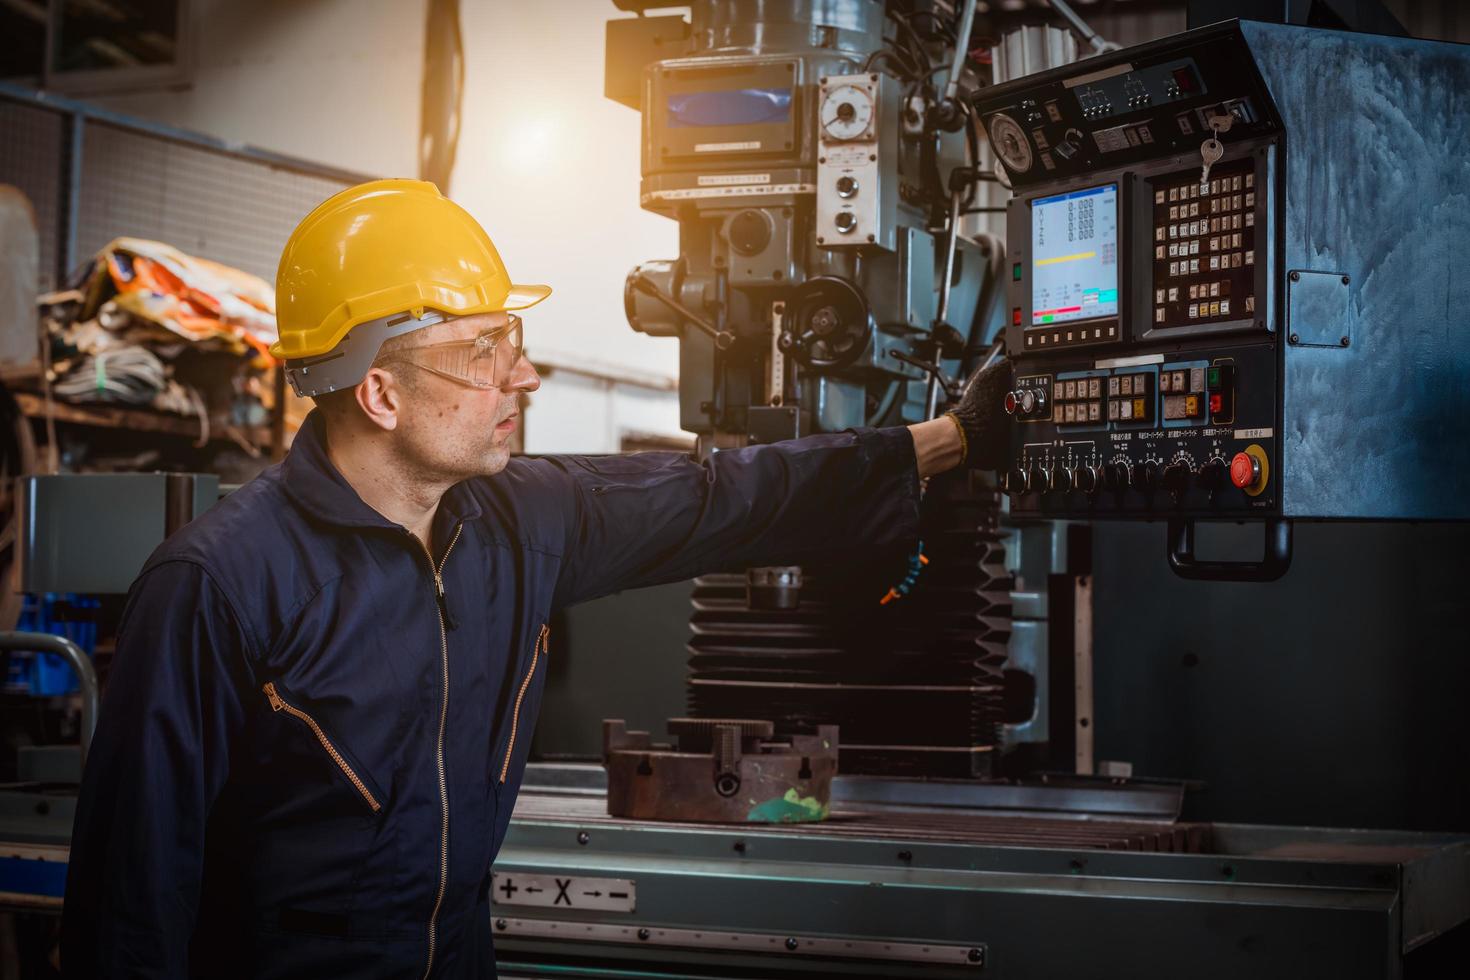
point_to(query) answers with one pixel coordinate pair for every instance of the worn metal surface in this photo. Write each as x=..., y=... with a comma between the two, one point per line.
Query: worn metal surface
x=1057, y=795
x=1377, y=187
x=722, y=771
x=1318, y=309
x=780, y=944
x=925, y=826
x=1266, y=902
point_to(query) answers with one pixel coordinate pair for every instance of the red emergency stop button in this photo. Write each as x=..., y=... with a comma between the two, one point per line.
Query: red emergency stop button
x=1245, y=471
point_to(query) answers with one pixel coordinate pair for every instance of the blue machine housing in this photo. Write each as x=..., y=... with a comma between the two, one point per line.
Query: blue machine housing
x=1375, y=176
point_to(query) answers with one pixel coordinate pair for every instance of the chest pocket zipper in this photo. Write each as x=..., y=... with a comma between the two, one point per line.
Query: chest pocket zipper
x=515, y=715
x=279, y=704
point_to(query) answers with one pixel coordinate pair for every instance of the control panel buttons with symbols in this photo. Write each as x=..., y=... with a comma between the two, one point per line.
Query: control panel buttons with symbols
x=1204, y=246
x=1078, y=401
x=1131, y=398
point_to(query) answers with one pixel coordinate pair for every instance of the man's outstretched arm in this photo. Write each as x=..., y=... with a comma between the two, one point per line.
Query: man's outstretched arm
x=659, y=517
x=156, y=765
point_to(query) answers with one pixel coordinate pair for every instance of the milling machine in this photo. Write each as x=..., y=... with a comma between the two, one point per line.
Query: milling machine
x=822, y=159
x=824, y=162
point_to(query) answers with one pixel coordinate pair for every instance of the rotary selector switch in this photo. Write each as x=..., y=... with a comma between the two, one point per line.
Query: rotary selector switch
x=1145, y=476
x=1212, y=474
x=1017, y=482
x=1061, y=478
x=1087, y=479
x=1177, y=476
x=1117, y=476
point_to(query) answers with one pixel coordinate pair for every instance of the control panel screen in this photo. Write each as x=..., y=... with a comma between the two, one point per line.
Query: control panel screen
x=729, y=107
x=1074, y=256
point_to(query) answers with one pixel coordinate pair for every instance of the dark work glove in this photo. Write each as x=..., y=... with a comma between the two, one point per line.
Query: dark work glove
x=982, y=419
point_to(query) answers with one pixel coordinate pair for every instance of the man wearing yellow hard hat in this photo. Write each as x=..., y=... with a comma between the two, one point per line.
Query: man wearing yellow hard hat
x=324, y=688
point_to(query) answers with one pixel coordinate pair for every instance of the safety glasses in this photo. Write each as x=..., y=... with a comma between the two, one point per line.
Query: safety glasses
x=485, y=362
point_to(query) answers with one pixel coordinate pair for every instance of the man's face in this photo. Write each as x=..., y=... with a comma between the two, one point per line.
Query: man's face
x=449, y=430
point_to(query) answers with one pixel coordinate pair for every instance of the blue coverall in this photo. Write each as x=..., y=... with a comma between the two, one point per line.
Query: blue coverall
x=314, y=730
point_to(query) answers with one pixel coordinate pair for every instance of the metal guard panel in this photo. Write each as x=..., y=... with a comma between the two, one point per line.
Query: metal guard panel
x=1377, y=187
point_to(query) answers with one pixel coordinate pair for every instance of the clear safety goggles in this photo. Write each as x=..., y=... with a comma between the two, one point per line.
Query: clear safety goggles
x=485, y=362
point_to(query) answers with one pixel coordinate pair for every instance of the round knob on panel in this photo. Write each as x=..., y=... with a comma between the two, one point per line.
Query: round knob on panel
x=1028, y=400
x=1176, y=478
x=1016, y=480
x=1061, y=478
x=1041, y=399
x=1245, y=471
x=1212, y=474
x=846, y=221
x=847, y=186
x=1086, y=479
x=1040, y=478
x=1117, y=476
x=1146, y=476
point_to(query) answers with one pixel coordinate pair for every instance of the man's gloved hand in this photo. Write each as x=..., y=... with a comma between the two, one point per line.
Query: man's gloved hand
x=981, y=417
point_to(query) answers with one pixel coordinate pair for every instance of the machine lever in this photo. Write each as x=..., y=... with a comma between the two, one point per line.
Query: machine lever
x=1272, y=566
x=722, y=338
x=936, y=375
x=961, y=50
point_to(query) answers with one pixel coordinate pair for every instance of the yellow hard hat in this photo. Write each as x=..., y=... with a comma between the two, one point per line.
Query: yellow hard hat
x=381, y=249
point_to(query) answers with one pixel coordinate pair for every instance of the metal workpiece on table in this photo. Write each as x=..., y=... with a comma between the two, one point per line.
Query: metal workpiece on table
x=722, y=770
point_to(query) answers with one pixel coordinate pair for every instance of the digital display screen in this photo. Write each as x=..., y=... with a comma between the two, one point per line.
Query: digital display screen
x=729, y=107
x=1074, y=256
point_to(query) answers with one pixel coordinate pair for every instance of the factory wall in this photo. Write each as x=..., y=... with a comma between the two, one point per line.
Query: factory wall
x=552, y=169
x=336, y=82
x=547, y=164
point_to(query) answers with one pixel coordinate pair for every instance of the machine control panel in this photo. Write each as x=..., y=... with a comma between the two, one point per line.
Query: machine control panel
x=1145, y=356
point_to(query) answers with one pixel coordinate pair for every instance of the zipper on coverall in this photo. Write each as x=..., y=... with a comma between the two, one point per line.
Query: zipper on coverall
x=439, y=602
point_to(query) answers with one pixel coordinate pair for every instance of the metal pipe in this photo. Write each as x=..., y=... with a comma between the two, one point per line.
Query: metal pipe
x=931, y=394
x=961, y=49
x=1082, y=28
x=80, y=664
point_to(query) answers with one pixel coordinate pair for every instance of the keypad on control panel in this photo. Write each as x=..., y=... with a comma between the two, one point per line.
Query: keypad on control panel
x=1078, y=401
x=1130, y=398
x=1184, y=394
x=1204, y=246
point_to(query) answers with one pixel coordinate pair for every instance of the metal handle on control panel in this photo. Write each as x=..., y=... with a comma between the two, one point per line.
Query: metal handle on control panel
x=1272, y=566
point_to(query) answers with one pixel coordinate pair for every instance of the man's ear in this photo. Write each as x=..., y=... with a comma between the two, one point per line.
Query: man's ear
x=380, y=396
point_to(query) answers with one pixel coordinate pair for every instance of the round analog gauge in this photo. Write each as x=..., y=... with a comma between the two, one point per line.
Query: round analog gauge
x=1010, y=142
x=847, y=111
